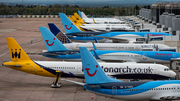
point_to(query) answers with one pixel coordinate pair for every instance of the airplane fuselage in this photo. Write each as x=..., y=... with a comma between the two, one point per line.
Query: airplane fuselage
x=116, y=46
x=121, y=56
x=74, y=69
x=129, y=36
x=142, y=90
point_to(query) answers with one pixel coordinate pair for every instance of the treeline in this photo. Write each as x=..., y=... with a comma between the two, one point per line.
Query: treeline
x=69, y=10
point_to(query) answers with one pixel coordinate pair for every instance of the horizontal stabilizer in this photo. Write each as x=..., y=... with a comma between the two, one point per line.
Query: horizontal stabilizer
x=18, y=66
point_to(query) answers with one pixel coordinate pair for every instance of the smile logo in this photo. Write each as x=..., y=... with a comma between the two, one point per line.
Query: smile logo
x=67, y=27
x=48, y=43
x=87, y=69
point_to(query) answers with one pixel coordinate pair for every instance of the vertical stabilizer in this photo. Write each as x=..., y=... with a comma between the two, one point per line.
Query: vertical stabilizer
x=92, y=71
x=51, y=42
x=68, y=24
x=59, y=35
x=79, y=13
x=15, y=50
x=83, y=15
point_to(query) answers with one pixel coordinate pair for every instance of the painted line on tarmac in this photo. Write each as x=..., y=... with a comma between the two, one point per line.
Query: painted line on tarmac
x=3, y=54
x=3, y=99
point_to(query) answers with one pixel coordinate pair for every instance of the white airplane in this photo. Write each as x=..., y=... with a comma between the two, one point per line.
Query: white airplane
x=99, y=20
x=108, y=27
x=22, y=62
x=99, y=83
x=103, y=46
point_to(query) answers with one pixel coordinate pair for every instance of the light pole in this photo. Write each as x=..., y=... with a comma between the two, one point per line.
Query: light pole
x=159, y=11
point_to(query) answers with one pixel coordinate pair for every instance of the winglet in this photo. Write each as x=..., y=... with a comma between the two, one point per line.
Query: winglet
x=51, y=42
x=96, y=40
x=96, y=56
x=94, y=46
x=56, y=31
x=68, y=24
x=93, y=73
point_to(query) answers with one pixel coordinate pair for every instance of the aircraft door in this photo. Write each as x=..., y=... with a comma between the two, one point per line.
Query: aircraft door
x=32, y=67
x=84, y=36
x=79, y=69
x=156, y=70
x=174, y=55
x=144, y=56
x=67, y=55
x=114, y=90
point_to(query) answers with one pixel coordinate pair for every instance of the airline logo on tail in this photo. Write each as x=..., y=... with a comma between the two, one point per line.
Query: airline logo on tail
x=16, y=54
x=67, y=27
x=87, y=70
x=48, y=43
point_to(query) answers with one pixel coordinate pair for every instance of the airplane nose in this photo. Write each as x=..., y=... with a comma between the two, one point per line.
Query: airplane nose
x=173, y=74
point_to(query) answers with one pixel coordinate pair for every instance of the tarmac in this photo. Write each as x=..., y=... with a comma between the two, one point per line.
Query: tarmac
x=21, y=86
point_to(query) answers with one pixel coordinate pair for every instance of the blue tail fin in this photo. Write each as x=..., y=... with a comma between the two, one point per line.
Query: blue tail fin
x=79, y=13
x=51, y=42
x=56, y=31
x=68, y=24
x=93, y=73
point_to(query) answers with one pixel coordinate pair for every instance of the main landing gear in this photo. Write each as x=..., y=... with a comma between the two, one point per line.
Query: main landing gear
x=55, y=84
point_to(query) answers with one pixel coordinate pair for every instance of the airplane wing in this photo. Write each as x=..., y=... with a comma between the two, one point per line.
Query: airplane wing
x=49, y=54
x=166, y=97
x=79, y=83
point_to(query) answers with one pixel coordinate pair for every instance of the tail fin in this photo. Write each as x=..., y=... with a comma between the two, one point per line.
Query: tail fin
x=79, y=18
x=15, y=50
x=68, y=24
x=51, y=42
x=56, y=31
x=83, y=15
x=79, y=13
x=92, y=71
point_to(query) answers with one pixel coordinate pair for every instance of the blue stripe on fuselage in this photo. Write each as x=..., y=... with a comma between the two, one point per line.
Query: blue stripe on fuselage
x=128, y=91
x=142, y=34
x=151, y=54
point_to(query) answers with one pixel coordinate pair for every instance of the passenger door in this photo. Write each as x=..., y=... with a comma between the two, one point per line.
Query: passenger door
x=114, y=90
x=144, y=56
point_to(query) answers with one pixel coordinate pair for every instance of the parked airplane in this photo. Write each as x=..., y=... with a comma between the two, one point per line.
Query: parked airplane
x=103, y=46
x=83, y=16
x=75, y=34
x=108, y=27
x=100, y=27
x=55, y=49
x=21, y=61
x=99, y=83
x=100, y=20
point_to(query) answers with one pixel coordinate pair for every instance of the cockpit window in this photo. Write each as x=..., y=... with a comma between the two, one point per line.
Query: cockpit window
x=166, y=69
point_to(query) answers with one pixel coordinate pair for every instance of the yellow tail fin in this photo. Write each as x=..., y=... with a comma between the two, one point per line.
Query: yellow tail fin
x=15, y=50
